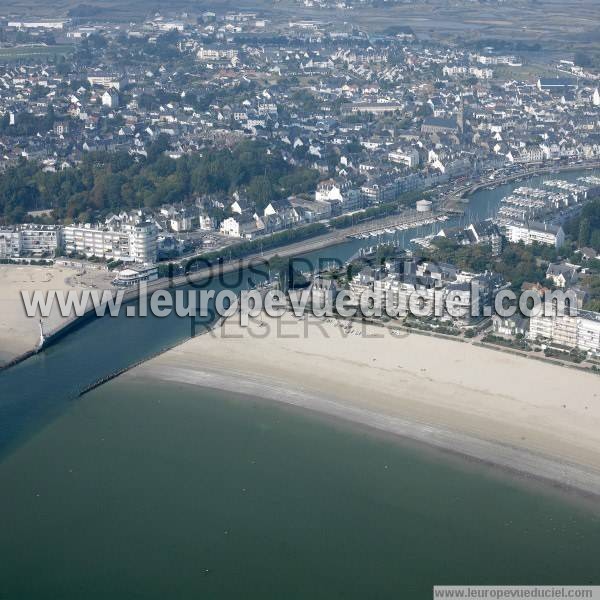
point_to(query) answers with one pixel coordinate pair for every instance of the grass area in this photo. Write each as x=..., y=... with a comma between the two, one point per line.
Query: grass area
x=17, y=52
x=556, y=24
x=528, y=72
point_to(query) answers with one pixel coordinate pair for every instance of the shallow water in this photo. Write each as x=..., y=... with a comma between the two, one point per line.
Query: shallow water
x=182, y=492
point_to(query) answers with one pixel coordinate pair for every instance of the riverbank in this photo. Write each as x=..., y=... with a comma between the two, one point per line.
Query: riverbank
x=494, y=407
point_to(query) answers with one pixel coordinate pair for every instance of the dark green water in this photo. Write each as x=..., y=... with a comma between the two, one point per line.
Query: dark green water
x=160, y=492
x=178, y=492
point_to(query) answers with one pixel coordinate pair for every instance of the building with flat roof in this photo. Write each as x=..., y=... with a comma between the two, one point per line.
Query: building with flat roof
x=105, y=80
x=542, y=233
x=581, y=331
x=133, y=276
x=10, y=243
x=30, y=241
x=126, y=241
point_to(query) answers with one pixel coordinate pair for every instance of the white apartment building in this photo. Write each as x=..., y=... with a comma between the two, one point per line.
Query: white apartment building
x=454, y=70
x=242, y=227
x=480, y=73
x=267, y=108
x=40, y=240
x=405, y=296
x=105, y=80
x=126, y=241
x=379, y=193
x=581, y=331
x=10, y=243
x=409, y=157
x=214, y=54
x=169, y=25
x=588, y=331
x=541, y=327
x=542, y=233
x=30, y=240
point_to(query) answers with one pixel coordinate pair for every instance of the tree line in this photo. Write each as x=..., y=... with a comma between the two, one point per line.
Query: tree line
x=585, y=227
x=111, y=182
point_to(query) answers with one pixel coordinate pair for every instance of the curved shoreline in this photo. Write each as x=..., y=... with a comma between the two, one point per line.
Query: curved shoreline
x=496, y=408
x=520, y=461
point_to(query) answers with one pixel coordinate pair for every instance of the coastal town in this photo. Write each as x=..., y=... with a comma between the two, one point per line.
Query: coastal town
x=228, y=134
x=299, y=299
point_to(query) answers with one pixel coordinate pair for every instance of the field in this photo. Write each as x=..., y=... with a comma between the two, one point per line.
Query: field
x=555, y=25
x=18, y=52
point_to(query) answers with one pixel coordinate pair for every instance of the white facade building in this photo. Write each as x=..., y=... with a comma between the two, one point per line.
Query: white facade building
x=424, y=205
x=110, y=98
x=588, y=331
x=528, y=233
x=214, y=54
x=409, y=157
x=242, y=227
x=133, y=276
x=30, y=240
x=230, y=227
x=581, y=331
x=106, y=81
x=342, y=196
x=328, y=191
x=126, y=241
x=10, y=243
x=205, y=223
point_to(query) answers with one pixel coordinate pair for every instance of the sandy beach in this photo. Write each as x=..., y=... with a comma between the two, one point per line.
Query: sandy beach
x=536, y=418
x=18, y=332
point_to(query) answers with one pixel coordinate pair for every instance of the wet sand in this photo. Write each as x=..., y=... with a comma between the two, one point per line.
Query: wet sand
x=536, y=418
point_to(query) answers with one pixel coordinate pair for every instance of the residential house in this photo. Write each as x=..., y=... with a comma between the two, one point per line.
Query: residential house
x=562, y=275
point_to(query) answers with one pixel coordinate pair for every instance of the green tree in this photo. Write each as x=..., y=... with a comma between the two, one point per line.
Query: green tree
x=595, y=240
x=260, y=191
x=584, y=232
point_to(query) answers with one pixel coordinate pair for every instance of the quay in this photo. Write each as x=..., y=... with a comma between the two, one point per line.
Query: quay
x=399, y=222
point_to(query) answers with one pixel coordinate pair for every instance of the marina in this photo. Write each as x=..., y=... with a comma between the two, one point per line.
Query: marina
x=393, y=225
x=555, y=201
